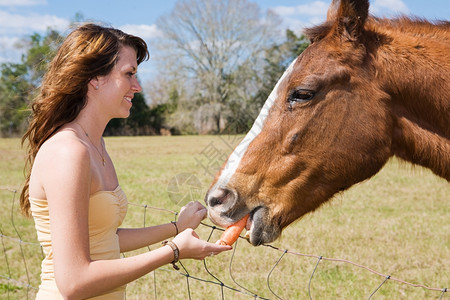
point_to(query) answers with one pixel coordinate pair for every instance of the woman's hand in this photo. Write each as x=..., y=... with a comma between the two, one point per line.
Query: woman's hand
x=191, y=215
x=190, y=246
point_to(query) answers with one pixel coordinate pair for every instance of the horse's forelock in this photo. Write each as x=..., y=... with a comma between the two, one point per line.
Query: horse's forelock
x=318, y=32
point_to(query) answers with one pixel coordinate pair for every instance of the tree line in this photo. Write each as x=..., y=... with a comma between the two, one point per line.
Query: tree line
x=217, y=62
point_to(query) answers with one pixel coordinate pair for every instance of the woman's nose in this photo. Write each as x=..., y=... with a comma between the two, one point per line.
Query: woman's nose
x=136, y=87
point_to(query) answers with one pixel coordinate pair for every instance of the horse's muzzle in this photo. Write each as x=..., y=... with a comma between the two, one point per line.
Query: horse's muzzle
x=224, y=206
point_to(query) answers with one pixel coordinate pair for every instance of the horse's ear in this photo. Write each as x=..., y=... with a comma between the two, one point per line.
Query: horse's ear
x=333, y=10
x=349, y=16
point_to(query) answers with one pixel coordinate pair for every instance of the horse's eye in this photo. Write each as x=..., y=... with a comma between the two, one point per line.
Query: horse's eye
x=301, y=96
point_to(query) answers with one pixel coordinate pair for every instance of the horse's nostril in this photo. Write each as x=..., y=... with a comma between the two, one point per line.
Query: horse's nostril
x=218, y=196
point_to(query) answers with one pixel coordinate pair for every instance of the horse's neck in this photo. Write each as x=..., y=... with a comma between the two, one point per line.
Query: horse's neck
x=415, y=72
x=414, y=69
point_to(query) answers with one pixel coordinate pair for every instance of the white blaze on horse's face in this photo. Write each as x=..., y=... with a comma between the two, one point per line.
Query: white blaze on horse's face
x=216, y=194
x=235, y=157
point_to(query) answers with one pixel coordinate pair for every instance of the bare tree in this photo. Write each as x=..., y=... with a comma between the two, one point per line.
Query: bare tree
x=206, y=42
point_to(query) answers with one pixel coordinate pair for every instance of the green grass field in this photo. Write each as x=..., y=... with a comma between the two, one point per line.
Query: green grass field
x=397, y=223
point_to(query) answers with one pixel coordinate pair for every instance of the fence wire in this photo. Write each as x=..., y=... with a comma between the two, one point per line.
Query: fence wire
x=24, y=282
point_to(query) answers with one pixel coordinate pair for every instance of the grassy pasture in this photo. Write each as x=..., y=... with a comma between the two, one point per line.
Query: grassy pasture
x=396, y=223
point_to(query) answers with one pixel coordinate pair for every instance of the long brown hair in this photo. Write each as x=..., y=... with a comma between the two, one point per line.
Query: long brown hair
x=90, y=50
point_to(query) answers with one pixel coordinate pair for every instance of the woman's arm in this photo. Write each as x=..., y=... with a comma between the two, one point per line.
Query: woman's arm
x=134, y=238
x=190, y=216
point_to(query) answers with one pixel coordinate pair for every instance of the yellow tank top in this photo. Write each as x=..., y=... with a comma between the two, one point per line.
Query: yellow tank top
x=107, y=209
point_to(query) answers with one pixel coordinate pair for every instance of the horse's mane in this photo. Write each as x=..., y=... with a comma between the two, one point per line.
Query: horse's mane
x=409, y=25
x=415, y=26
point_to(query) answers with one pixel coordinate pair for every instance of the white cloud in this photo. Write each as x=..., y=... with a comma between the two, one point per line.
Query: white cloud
x=11, y=3
x=143, y=31
x=388, y=7
x=5, y=40
x=9, y=53
x=316, y=8
x=23, y=24
x=300, y=16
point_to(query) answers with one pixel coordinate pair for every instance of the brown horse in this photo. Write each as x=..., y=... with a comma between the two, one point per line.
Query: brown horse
x=365, y=89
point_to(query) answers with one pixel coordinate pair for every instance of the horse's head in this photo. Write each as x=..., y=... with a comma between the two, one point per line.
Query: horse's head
x=325, y=127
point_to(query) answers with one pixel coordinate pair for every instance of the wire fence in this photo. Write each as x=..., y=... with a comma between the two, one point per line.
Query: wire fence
x=18, y=250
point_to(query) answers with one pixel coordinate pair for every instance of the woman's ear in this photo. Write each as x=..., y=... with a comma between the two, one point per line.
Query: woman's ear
x=94, y=83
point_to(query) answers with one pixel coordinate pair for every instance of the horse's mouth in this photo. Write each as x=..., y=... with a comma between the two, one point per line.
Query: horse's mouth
x=226, y=207
x=261, y=230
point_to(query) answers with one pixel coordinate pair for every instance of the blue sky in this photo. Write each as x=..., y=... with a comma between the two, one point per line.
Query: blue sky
x=19, y=18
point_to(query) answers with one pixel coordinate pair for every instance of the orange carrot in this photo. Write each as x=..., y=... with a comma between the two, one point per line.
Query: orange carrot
x=231, y=234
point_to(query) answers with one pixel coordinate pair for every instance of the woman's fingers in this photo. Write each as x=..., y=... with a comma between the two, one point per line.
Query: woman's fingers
x=212, y=249
x=200, y=210
x=202, y=213
x=194, y=205
x=216, y=249
x=191, y=215
x=191, y=246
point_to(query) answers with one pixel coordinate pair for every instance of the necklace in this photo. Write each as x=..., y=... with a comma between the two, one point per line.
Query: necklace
x=100, y=153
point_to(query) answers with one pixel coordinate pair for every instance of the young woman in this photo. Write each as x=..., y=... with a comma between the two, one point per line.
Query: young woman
x=72, y=190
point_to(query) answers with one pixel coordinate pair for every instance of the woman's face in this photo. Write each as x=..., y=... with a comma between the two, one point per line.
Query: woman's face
x=117, y=89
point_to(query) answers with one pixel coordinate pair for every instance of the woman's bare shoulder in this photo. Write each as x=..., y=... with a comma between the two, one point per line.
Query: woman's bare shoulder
x=61, y=158
x=63, y=144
